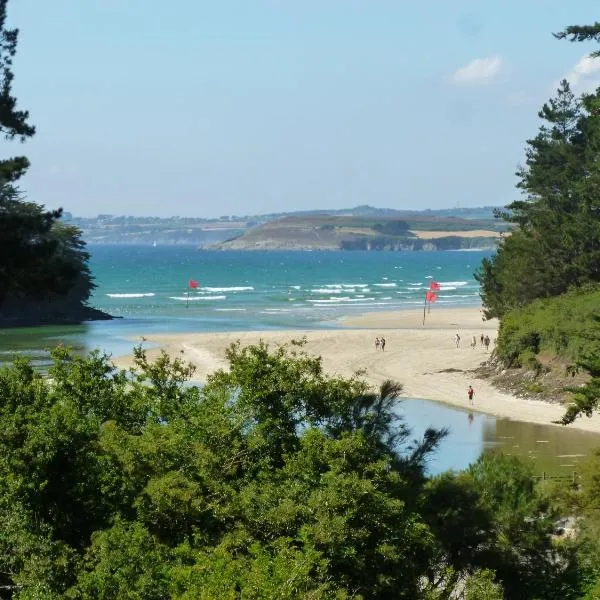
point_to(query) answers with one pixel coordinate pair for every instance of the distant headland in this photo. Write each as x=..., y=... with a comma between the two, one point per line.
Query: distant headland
x=360, y=228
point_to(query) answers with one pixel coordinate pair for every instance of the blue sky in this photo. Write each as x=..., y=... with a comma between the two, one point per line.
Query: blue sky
x=251, y=106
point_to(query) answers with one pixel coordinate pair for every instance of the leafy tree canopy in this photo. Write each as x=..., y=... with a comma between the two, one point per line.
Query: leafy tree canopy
x=43, y=273
x=273, y=480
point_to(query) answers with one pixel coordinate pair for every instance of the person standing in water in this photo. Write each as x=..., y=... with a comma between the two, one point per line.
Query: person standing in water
x=470, y=394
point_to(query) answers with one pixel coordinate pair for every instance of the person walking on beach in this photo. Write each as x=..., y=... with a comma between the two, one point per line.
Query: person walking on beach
x=473, y=342
x=470, y=394
x=382, y=344
x=486, y=341
x=481, y=339
x=376, y=343
x=457, y=340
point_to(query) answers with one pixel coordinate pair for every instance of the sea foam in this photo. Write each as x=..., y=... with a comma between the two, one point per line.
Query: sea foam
x=196, y=298
x=238, y=288
x=134, y=295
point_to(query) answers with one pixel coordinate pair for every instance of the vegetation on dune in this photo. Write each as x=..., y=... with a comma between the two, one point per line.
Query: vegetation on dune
x=43, y=272
x=272, y=481
x=560, y=327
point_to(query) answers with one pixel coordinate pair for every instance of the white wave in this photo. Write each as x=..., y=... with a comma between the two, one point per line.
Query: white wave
x=359, y=305
x=415, y=284
x=295, y=287
x=342, y=299
x=230, y=309
x=269, y=311
x=325, y=291
x=447, y=288
x=387, y=285
x=332, y=285
x=429, y=277
x=355, y=285
x=458, y=296
x=140, y=295
x=455, y=283
x=239, y=288
x=196, y=298
x=387, y=298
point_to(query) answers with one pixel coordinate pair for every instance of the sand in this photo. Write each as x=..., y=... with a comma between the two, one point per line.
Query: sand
x=471, y=233
x=424, y=359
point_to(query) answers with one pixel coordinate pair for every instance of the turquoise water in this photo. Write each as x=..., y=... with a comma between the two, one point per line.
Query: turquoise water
x=147, y=287
x=254, y=290
x=238, y=291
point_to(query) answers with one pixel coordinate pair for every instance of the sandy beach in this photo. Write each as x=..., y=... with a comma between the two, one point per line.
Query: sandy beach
x=424, y=358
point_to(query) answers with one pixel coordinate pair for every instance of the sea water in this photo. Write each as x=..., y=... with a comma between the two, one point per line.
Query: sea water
x=264, y=289
x=148, y=288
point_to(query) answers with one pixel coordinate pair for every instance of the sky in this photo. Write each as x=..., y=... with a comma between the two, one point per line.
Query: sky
x=234, y=107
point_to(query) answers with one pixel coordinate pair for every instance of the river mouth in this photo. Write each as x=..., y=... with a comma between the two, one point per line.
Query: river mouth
x=552, y=451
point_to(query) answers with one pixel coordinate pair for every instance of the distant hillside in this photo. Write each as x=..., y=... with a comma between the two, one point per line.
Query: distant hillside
x=329, y=232
x=311, y=229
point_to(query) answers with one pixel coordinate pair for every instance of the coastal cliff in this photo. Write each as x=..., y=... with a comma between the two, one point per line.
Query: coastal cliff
x=327, y=232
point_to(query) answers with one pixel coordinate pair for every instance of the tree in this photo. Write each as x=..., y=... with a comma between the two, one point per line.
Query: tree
x=13, y=122
x=581, y=33
x=586, y=398
x=555, y=241
x=272, y=481
x=43, y=273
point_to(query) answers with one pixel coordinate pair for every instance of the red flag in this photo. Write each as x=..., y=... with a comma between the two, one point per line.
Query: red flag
x=434, y=285
x=193, y=284
x=430, y=297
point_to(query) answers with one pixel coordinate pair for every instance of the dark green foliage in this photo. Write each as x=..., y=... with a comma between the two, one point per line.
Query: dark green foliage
x=586, y=398
x=392, y=228
x=43, y=271
x=272, y=481
x=559, y=326
x=556, y=241
x=582, y=502
x=492, y=517
x=581, y=33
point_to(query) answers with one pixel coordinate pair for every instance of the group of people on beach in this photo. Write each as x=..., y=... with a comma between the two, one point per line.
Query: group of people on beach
x=380, y=344
x=484, y=340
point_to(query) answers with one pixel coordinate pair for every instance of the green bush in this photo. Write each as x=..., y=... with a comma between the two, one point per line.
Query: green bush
x=558, y=326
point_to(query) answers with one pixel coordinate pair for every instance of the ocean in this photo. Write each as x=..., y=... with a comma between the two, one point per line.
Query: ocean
x=255, y=290
x=148, y=288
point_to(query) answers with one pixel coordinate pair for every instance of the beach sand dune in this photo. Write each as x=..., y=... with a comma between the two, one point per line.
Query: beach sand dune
x=424, y=358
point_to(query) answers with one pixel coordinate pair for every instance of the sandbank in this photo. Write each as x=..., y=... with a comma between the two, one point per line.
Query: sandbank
x=424, y=358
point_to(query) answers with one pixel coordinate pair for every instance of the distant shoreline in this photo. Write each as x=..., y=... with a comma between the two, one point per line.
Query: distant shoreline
x=424, y=359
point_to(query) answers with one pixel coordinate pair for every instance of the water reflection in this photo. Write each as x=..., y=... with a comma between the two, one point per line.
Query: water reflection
x=553, y=450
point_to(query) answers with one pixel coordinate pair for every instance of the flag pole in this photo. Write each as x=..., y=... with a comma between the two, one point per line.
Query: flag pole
x=187, y=302
x=424, y=307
